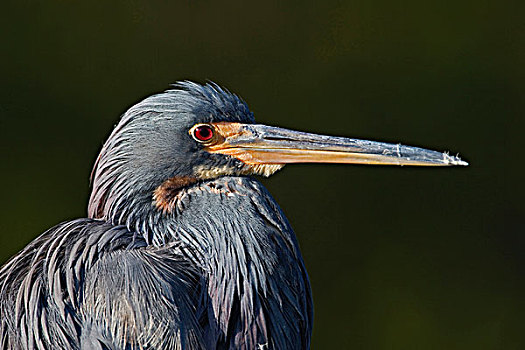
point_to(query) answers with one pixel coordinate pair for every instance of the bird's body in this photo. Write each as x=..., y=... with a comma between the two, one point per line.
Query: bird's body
x=175, y=289
x=182, y=249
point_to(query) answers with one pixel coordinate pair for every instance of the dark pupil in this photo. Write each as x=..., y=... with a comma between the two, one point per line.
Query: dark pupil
x=203, y=133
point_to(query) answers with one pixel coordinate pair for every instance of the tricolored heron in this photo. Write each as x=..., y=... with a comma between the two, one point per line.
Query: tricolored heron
x=182, y=248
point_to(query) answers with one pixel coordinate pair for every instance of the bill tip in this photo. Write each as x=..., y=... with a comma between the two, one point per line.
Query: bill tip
x=453, y=160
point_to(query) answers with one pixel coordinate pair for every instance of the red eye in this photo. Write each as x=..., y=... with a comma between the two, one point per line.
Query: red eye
x=203, y=133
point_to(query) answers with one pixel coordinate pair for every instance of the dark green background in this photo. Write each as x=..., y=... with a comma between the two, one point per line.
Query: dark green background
x=399, y=258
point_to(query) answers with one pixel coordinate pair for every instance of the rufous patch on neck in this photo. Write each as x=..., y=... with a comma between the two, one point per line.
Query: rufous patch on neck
x=164, y=196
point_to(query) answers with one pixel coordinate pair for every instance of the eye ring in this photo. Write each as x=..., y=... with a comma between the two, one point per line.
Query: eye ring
x=203, y=133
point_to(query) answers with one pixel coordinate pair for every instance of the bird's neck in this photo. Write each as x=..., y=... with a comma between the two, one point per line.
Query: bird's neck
x=236, y=234
x=222, y=220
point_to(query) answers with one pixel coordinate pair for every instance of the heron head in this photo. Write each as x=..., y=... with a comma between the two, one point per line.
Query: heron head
x=195, y=132
x=157, y=145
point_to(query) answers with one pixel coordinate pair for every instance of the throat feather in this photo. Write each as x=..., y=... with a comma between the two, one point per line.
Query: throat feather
x=165, y=195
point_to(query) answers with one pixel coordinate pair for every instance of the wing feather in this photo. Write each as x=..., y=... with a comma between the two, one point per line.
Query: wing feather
x=86, y=284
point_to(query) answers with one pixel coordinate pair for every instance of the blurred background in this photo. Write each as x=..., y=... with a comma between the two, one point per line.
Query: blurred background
x=399, y=258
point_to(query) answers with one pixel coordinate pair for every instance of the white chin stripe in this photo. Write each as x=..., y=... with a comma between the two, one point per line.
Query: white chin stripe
x=263, y=169
x=248, y=169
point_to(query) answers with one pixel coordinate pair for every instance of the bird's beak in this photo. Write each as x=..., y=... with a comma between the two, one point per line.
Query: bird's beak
x=256, y=144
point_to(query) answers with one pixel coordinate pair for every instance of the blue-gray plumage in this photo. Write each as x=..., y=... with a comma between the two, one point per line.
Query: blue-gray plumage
x=182, y=249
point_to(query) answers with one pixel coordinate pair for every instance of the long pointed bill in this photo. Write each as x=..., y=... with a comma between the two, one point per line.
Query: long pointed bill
x=260, y=144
